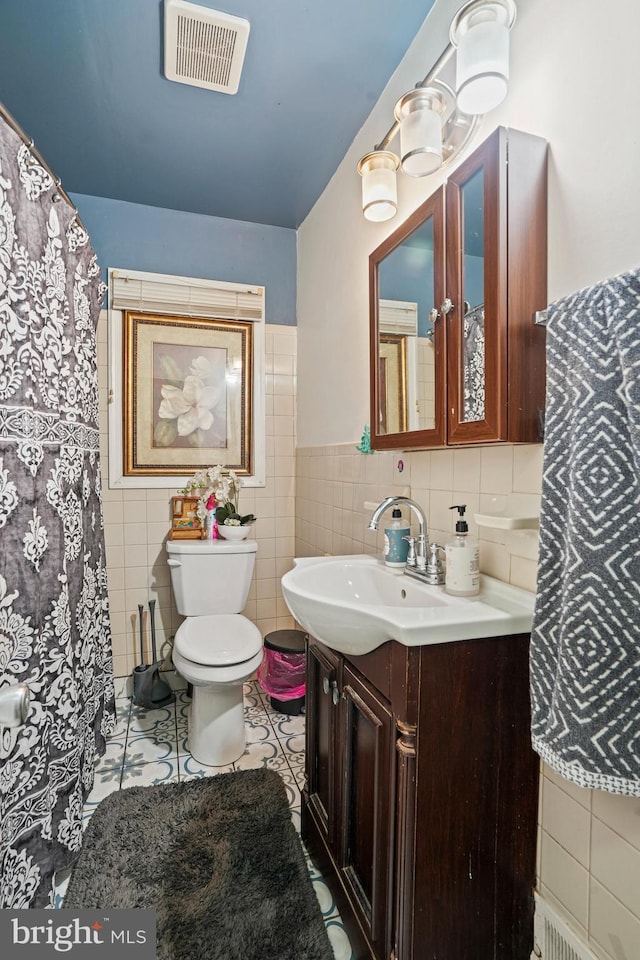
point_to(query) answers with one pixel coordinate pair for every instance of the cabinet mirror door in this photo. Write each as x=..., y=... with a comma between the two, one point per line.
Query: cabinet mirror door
x=407, y=334
x=476, y=331
x=472, y=355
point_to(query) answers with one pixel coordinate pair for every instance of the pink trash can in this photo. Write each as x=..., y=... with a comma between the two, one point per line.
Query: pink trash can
x=282, y=672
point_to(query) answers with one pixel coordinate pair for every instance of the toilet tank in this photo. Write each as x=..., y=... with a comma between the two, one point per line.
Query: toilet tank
x=211, y=576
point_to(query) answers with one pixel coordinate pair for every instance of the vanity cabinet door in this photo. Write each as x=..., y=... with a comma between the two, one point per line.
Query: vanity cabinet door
x=367, y=808
x=348, y=803
x=322, y=743
x=496, y=279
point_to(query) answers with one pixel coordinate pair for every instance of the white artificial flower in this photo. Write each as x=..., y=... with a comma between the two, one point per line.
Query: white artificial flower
x=200, y=367
x=224, y=486
x=191, y=406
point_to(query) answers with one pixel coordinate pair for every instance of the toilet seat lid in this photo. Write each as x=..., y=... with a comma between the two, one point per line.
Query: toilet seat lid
x=218, y=641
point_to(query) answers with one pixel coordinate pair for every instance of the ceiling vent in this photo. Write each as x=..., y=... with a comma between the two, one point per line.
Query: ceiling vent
x=203, y=47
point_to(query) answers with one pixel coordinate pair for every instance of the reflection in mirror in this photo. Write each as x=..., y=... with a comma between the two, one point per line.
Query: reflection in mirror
x=406, y=368
x=472, y=358
x=392, y=373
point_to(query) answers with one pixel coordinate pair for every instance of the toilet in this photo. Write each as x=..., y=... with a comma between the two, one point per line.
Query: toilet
x=216, y=649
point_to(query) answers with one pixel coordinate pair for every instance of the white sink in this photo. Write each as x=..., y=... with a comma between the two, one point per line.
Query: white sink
x=354, y=604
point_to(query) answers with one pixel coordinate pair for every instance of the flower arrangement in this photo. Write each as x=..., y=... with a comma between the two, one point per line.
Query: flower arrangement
x=218, y=493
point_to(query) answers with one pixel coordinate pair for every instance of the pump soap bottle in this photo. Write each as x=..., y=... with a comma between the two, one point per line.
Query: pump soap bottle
x=462, y=578
x=396, y=548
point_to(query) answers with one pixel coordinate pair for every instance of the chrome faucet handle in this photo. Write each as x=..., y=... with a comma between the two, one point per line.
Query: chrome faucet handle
x=435, y=568
x=411, y=555
x=421, y=552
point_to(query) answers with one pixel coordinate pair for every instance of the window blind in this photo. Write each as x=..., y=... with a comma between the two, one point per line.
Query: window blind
x=398, y=316
x=186, y=296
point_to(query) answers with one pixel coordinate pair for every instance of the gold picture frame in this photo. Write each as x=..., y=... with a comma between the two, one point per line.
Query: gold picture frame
x=188, y=386
x=392, y=373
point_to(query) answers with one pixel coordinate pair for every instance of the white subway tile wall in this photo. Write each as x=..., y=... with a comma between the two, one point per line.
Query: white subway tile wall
x=589, y=864
x=333, y=484
x=136, y=522
x=425, y=379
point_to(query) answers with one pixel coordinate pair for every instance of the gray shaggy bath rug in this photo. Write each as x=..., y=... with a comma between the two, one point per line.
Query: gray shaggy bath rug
x=218, y=858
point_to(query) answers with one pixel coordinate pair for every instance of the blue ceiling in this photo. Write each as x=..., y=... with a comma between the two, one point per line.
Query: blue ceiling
x=85, y=79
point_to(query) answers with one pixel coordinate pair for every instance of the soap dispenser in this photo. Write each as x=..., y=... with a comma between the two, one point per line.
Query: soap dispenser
x=462, y=577
x=396, y=547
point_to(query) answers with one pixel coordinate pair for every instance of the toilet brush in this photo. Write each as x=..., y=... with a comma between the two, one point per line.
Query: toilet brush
x=152, y=617
x=161, y=692
x=141, y=629
x=149, y=689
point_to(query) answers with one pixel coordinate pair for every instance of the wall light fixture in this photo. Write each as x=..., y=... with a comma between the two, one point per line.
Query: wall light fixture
x=379, y=187
x=419, y=113
x=434, y=122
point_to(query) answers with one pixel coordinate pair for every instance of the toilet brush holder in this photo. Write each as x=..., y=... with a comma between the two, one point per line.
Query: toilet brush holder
x=149, y=689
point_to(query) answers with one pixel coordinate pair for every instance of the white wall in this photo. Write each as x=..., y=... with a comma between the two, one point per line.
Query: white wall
x=575, y=75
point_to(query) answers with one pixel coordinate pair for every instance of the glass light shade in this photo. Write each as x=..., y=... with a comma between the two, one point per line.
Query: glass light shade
x=482, y=60
x=379, y=188
x=420, y=113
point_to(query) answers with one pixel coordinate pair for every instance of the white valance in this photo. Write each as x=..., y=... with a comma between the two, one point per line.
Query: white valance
x=398, y=316
x=186, y=296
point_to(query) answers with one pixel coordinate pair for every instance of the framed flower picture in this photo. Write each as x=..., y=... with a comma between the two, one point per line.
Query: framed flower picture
x=187, y=394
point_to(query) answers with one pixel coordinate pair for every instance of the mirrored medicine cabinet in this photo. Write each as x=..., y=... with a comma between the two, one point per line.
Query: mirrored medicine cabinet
x=456, y=357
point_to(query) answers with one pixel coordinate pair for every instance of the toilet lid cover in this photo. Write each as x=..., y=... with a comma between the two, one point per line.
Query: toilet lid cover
x=218, y=641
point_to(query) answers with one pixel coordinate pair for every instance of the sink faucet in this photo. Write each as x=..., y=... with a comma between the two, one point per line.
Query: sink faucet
x=421, y=546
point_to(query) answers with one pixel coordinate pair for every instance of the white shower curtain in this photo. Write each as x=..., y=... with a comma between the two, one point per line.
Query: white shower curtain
x=54, y=618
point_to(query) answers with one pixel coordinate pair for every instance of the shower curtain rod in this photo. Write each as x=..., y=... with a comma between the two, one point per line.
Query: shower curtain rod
x=28, y=141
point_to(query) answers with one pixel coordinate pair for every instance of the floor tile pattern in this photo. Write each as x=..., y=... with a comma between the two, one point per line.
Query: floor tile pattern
x=151, y=746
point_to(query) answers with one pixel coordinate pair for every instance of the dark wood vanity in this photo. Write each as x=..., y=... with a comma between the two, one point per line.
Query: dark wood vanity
x=421, y=797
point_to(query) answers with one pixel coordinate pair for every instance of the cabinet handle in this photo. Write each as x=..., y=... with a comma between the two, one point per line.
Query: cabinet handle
x=335, y=694
x=325, y=685
x=447, y=306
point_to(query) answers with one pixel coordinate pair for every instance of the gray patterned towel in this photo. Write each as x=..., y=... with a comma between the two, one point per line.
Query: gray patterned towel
x=585, y=645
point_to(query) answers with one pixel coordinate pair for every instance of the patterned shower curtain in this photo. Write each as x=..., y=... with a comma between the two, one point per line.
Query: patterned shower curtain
x=54, y=618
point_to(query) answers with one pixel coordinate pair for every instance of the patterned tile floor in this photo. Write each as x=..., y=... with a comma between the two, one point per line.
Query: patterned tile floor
x=150, y=746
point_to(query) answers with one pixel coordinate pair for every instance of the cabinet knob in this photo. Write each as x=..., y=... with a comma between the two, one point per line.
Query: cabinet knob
x=325, y=685
x=335, y=694
x=446, y=307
